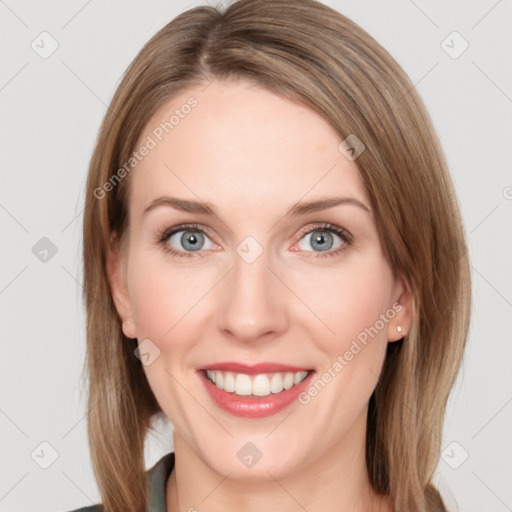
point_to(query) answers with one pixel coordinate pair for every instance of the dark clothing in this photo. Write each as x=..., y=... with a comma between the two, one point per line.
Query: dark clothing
x=157, y=477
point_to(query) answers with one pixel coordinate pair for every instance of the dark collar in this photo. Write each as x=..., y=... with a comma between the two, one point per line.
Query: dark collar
x=157, y=477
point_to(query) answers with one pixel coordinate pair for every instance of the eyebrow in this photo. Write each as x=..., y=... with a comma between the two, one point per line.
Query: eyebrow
x=206, y=208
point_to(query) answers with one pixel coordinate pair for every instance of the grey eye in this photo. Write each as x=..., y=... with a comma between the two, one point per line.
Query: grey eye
x=189, y=240
x=321, y=240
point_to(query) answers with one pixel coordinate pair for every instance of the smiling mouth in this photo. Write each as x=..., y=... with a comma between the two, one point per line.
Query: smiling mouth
x=256, y=385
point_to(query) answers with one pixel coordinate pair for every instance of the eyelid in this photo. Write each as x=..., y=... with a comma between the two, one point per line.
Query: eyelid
x=345, y=236
x=322, y=226
x=167, y=233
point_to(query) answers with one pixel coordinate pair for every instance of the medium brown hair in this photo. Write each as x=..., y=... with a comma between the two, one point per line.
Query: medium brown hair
x=312, y=54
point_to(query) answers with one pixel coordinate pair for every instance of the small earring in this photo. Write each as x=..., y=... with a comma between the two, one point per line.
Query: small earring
x=399, y=328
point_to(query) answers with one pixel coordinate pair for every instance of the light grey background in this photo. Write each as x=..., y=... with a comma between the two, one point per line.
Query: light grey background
x=51, y=111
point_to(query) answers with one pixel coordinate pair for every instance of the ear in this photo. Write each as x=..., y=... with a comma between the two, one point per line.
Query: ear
x=116, y=271
x=402, y=303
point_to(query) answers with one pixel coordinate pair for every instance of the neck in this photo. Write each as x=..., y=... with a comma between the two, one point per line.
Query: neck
x=337, y=480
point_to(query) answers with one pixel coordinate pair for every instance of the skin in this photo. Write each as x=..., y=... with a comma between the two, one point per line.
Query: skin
x=254, y=154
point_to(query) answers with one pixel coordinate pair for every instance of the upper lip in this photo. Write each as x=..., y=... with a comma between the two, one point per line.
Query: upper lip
x=253, y=369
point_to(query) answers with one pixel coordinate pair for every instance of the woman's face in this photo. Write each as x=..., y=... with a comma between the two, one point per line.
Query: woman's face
x=261, y=280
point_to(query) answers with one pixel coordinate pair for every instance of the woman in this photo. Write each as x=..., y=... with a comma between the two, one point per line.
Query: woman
x=274, y=261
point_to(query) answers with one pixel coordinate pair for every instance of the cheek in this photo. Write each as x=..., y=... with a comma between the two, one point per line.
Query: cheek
x=347, y=299
x=352, y=304
x=168, y=298
x=165, y=304
x=163, y=296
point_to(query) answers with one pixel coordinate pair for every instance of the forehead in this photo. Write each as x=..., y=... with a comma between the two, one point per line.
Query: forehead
x=236, y=142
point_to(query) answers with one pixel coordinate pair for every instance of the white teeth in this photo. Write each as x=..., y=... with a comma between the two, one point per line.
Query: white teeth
x=298, y=377
x=276, y=383
x=260, y=385
x=288, y=381
x=229, y=382
x=243, y=384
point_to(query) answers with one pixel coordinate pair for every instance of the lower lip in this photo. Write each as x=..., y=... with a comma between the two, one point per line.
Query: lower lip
x=254, y=406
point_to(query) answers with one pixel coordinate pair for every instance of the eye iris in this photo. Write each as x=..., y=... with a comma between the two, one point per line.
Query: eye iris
x=191, y=240
x=319, y=237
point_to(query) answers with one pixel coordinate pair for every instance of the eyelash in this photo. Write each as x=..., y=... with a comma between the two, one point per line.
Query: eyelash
x=164, y=236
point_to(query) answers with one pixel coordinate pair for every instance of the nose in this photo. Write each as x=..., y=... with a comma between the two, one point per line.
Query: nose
x=253, y=303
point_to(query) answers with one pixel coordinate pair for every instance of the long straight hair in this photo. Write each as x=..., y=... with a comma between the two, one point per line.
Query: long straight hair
x=314, y=55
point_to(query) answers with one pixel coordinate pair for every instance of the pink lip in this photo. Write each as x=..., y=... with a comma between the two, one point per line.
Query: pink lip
x=254, y=406
x=255, y=368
